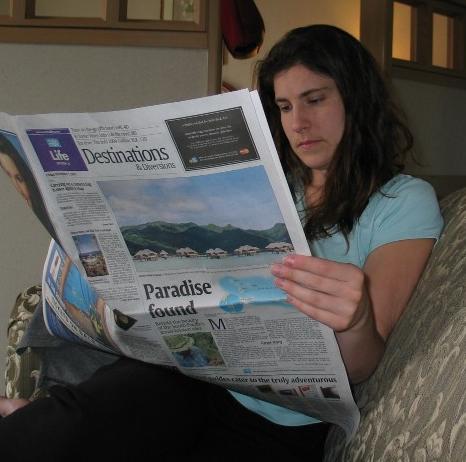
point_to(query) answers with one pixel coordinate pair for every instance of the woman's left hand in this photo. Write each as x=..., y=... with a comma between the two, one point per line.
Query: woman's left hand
x=332, y=293
x=335, y=294
x=362, y=306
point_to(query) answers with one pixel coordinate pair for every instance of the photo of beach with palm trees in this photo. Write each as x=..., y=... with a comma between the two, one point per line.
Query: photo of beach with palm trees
x=222, y=220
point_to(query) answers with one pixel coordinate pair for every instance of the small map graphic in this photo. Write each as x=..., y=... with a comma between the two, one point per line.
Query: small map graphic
x=250, y=290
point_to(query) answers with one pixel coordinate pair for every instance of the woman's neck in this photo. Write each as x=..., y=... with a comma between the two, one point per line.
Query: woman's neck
x=315, y=188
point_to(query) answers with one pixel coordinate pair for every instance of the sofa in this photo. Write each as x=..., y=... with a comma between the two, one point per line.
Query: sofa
x=413, y=408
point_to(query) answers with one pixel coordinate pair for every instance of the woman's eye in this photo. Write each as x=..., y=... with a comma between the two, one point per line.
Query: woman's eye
x=315, y=100
x=284, y=108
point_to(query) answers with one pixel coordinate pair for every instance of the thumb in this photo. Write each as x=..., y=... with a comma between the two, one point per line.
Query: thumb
x=8, y=406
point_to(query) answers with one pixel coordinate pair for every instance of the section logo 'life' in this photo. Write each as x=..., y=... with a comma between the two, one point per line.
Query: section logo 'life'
x=56, y=150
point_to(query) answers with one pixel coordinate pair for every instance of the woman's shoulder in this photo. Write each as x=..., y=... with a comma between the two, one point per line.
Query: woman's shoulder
x=405, y=207
x=404, y=191
x=406, y=184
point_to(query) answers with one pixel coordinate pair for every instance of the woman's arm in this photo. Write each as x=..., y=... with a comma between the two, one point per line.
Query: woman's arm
x=361, y=306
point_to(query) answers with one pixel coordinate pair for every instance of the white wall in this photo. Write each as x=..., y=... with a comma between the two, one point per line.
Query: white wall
x=437, y=116
x=59, y=78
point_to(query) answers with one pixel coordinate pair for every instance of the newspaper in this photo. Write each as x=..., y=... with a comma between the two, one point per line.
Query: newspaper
x=168, y=220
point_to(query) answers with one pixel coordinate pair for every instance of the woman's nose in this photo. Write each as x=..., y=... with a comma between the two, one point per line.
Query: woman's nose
x=300, y=120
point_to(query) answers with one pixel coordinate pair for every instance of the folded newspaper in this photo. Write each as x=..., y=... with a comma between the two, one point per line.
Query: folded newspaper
x=168, y=220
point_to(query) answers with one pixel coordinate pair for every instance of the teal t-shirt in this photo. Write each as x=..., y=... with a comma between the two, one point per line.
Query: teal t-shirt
x=407, y=209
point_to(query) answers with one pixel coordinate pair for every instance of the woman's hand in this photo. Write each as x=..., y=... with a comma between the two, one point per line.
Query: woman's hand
x=332, y=293
x=361, y=306
x=8, y=406
x=335, y=294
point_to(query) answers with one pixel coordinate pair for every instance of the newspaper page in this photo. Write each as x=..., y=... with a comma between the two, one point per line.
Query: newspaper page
x=169, y=219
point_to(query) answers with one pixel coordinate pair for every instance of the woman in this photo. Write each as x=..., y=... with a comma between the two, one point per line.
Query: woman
x=342, y=145
x=371, y=231
x=20, y=175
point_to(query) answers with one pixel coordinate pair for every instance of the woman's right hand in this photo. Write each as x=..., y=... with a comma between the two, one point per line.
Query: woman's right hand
x=8, y=406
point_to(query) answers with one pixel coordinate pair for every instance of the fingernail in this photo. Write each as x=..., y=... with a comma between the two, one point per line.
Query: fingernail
x=289, y=260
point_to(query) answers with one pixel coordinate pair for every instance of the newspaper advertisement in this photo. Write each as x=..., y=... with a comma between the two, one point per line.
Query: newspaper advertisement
x=169, y=218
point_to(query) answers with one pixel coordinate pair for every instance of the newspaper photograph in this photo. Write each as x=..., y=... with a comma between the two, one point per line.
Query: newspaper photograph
x=166, y=221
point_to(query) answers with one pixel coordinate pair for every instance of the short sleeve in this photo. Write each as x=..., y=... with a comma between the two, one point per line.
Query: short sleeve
x=407, y=209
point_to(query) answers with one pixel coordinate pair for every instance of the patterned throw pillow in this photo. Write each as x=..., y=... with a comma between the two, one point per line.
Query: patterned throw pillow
x=22, y=372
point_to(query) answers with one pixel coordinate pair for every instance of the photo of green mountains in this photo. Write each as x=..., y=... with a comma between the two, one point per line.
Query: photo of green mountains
x=158, y=236
x=173, y=223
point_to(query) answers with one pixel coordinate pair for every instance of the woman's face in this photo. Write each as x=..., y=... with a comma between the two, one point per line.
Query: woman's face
x=312, y=114
x=8, y=165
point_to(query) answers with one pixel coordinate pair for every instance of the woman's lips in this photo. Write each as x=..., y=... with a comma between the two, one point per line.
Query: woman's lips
x=307, y=143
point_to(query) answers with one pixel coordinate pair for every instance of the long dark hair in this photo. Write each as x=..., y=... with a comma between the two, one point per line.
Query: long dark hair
x=37, y=204
x=375, y=140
